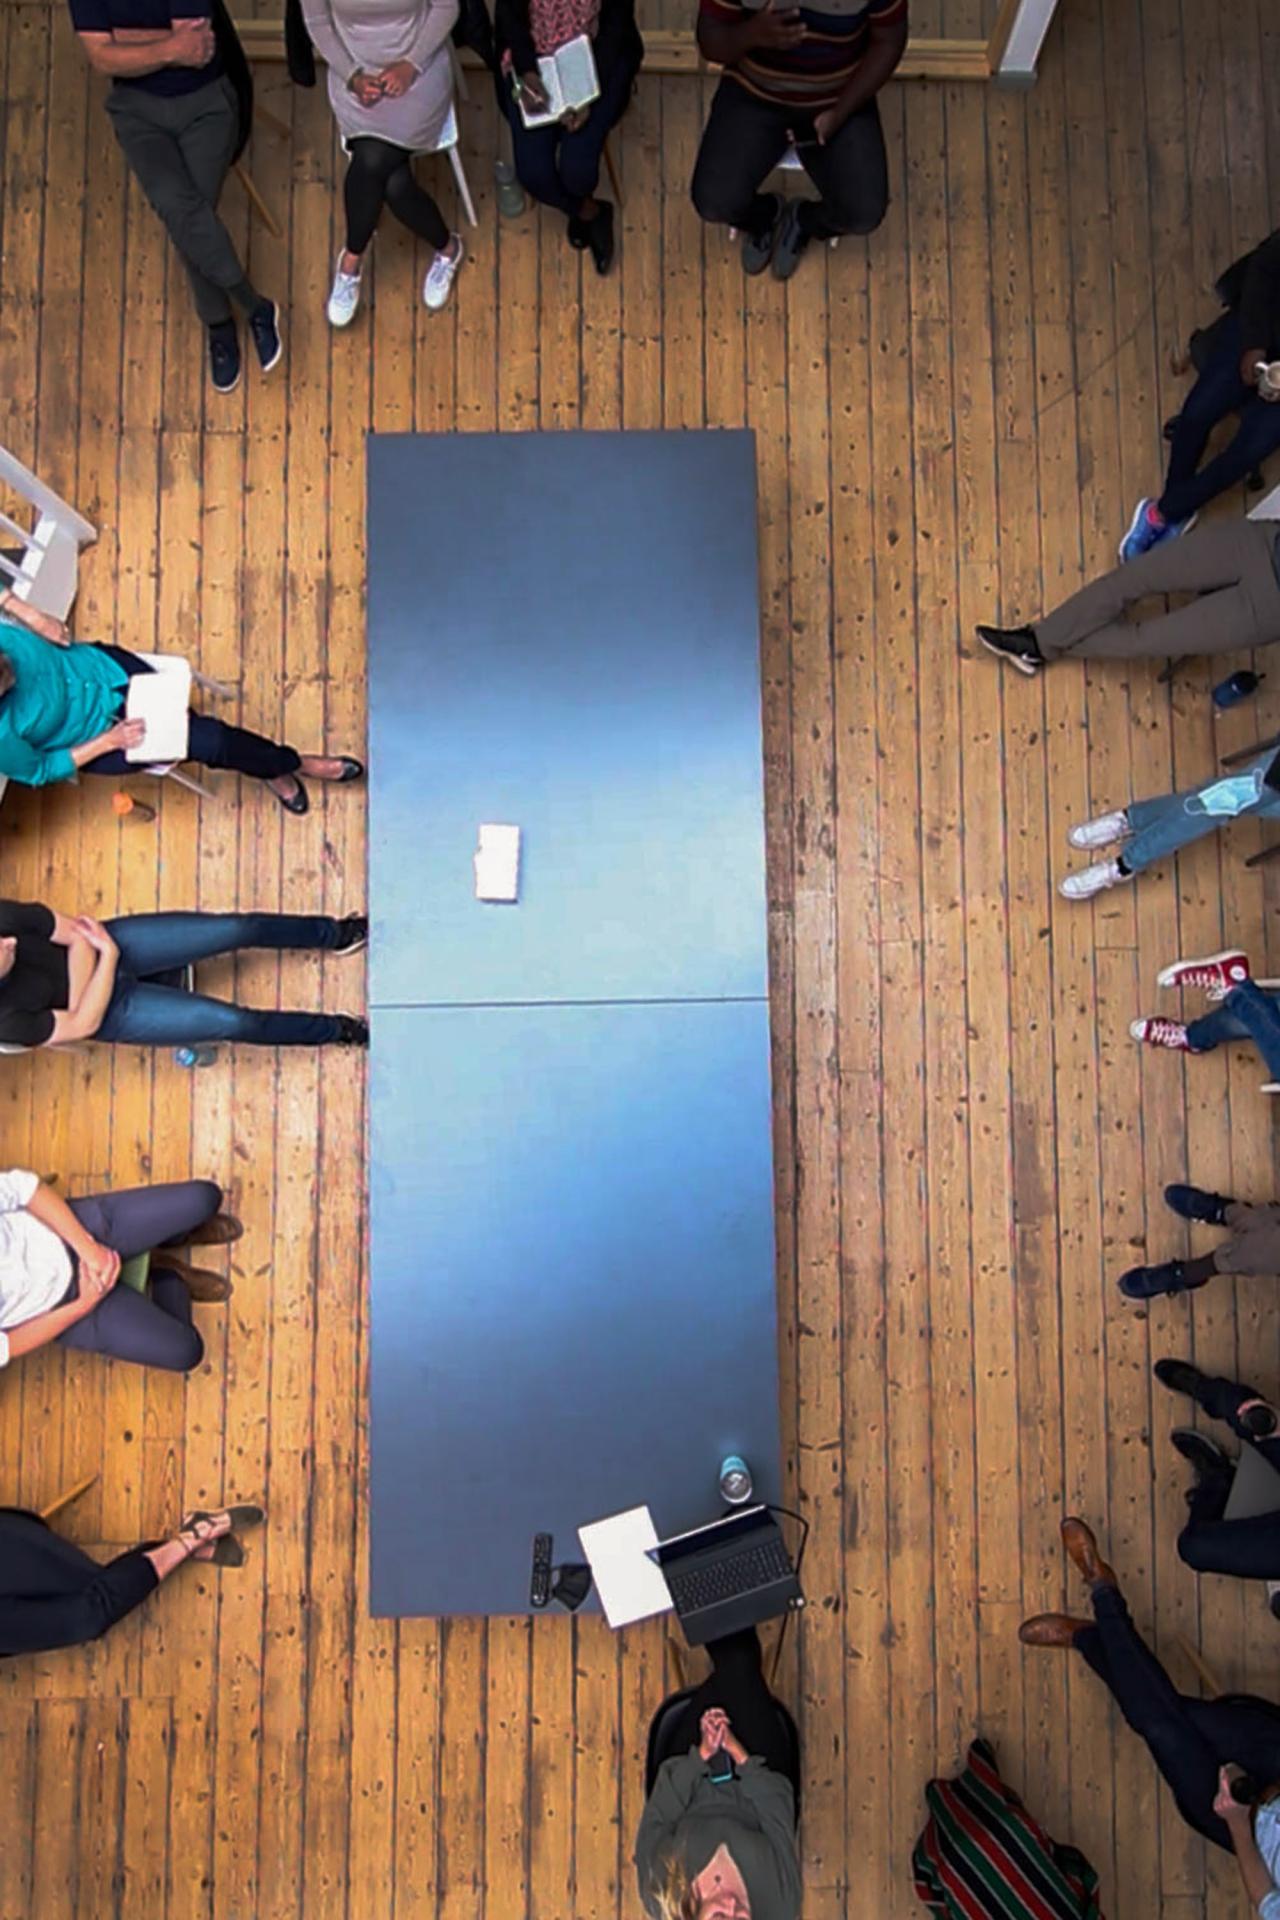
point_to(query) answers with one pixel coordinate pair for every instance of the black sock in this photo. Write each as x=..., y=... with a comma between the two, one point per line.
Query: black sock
x=1121, y=867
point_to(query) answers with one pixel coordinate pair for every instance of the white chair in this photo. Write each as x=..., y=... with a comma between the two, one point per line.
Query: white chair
x=46, y=574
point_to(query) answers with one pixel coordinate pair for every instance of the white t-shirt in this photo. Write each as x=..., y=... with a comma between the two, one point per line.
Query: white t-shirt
x=35, y=1266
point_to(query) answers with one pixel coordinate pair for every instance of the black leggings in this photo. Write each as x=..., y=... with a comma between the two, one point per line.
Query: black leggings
x=382, y=175
x=737, y=1683
x=210, y=742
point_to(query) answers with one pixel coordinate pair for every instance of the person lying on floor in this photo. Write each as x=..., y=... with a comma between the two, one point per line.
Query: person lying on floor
x=1247, y=1009
x=1147, y=831
x=130, y=979
x=53, y=1595
x=1233, y=568
x=60, y=1269
x=1248, y=1549
x=62, y=706
x=1189, y=1739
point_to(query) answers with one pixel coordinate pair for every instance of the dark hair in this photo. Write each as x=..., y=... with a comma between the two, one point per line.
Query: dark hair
x=8, y=678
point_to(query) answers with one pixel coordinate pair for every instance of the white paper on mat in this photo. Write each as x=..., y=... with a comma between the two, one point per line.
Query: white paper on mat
x=630, y=1586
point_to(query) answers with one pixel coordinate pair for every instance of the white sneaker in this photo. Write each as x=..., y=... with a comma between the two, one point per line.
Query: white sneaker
x=435, y=288
x=344, y=296
x=1082, y=886
x=1102, y=832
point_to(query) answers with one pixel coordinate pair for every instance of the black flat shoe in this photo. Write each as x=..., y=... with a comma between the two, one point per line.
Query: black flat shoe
x=351, y=770
x=600, y=237
x=296, y=802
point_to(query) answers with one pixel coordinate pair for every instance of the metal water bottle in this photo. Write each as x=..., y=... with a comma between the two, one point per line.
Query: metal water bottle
x=202, y=1056
x=1229, y=693
x=735, y=1480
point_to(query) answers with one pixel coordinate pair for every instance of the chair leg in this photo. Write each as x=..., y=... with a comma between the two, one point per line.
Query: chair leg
x=612, y=171
x=1205, y=1673
x=216, y=687
x=257, y=202
x=464, y=191
x=191, y=784
x=64, y=1500
x=272, y=120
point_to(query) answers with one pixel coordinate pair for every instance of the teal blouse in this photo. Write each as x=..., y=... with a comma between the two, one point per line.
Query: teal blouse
x=63, y=696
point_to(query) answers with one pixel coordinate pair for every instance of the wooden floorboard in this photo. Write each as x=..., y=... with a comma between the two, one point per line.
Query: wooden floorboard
x=952, y=422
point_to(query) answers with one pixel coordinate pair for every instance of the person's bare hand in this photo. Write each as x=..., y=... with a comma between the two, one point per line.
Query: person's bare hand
x=713, y=1727
x=94, y=934
x=46, y=625
x=575, y=117
x=124, y=734
x=367, y=87
x=775, y=27
x=397, y=79
x=191, y=43
x=532, y=90
x=826, y=125
x=99, y=1271
x=1225, y=1804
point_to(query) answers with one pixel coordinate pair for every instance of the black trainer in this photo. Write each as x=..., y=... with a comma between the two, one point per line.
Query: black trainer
x=1193, y=1203
x=224, y=357
x=264, y=325
x=1181, y=1377
x=351, y=1032
x=600, y=237
x=1205, y=1455
x=353, y=933
x=1017, y=645
x=1171, y=1276
x=757, y=248
x=792, y=242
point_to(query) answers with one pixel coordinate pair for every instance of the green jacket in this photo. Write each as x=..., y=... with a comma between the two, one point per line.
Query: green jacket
x=63, y=696
x=754, y=1815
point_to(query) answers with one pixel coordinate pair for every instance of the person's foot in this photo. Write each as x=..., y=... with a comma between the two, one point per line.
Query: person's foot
x=1082, y=1550
x=264, y=325
x=1193, y=1203
x=1204, y=1454
x=352, y=1032
x=1171, y=1276
x=290, y=792
x=598, y=233
x=1102, y=832
x=1149, y=528
x=1051, y=1630
x=1217, y=973
x=344, y=295
x=757, y=248
x=1095, y=879
x=353, y=933
x=441, y=272
x=207, y=1536
x=1161, y=1033
x=792, y=241
x=339, y=767
x=1181, y=1377
x=218, y=1232
x=200, y=1282
x=224, y=357
x=1017, y=645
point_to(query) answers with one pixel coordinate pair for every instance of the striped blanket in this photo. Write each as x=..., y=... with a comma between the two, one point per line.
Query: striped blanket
x=983, y=1857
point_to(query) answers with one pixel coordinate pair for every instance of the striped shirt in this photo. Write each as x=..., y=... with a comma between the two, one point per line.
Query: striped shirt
x=813, y=74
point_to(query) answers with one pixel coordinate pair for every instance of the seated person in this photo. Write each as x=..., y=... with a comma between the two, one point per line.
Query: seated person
x=1232, y=566
x=1245, y=337
x=53, y=1595
x=803, y=76
x=560, y=164
x=1253, y=1826
x=717, y=1838
x=1252, y=1245
x=1248, y=1548
x=1150, y=830
x=391, y=90
x=128, y=979
x=61, y=711
x=1190, y=1740
x=60, y=1269
x=1248, y=1009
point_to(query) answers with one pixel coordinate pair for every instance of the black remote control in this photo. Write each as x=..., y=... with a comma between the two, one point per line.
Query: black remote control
x=540, y=1574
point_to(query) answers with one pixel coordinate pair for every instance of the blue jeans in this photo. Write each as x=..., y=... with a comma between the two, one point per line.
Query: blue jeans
x=1218, y=392
x=152, y=1012
x=1248, y=1012
x=1160, y=827
x=563, y=169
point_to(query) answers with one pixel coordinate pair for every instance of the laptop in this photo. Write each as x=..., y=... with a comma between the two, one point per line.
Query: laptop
x=729, y=1575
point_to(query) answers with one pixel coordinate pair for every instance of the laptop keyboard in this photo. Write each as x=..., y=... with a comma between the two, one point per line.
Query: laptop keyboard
x=695, y=1587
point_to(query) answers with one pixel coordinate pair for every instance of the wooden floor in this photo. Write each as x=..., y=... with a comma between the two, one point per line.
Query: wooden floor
x=951, y=420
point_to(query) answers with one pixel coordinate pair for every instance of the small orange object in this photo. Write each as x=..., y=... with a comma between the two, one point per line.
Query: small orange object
x=124, y=804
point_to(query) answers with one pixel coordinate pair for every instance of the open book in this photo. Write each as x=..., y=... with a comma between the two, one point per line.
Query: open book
x=161, y=699
x=570, y=78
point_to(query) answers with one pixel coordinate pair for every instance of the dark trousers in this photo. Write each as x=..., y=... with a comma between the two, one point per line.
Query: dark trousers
x=1218, y=393
x=179, y=151
x=745, y=138
x=210, y=743
x=53, y=1595
x=152, y=1329
x=151, y=1012
x=559, y=168
x=737, y=1683
x=1248, y=1549
x=380, y=174
x=1188, y=1739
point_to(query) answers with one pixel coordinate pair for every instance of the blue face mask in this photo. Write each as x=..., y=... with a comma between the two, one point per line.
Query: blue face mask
x=1226, y=798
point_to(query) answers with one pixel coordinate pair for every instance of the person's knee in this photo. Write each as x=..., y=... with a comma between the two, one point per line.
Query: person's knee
x=1194, y=1551
x=208, y=1196
x=717, y=199
x=188, y=1351
x=401, y=189
x=857, y=213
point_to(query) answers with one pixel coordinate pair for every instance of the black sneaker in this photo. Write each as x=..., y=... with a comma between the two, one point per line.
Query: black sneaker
x=757, y=248
x=1205, y=1455
x=1146, y=1283
x=351, y=1032
x=792, y=241
x=224, y=357
x=1017, y=645
x=353, y=933
x=1193, y=1203
x=600, y=237
x=1181, y=1377
x=264, y=325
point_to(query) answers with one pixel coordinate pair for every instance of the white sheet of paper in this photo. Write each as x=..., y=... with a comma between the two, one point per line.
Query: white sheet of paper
x=630, y=1586
x=497, y=863
x=162, y=700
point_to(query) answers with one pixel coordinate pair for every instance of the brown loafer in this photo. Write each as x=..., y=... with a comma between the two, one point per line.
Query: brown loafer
x=1050, y=1630
x=1082, y=1550
x=200, y=1282
x=218, y=1232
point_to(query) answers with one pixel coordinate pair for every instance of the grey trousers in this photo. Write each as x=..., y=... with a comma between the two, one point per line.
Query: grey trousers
x=1254, y=1246
x=1230, y=565
x=152, y=1329
x=180, y=150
